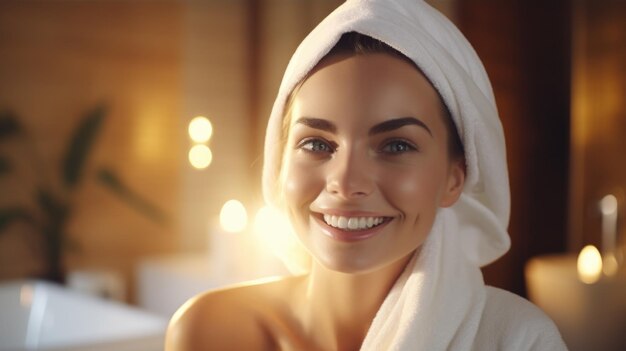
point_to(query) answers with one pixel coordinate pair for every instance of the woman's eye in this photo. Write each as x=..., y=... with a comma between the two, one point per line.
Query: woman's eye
x=398, y=147
x=315, y=146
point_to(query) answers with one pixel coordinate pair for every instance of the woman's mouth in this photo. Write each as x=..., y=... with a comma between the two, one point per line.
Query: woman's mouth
x=351, y=229
x=353, y=223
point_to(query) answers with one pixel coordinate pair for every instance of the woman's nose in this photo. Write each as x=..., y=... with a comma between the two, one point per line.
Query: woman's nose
x=350, y=175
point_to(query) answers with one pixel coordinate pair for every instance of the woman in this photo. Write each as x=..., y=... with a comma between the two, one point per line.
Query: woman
x=385, y=149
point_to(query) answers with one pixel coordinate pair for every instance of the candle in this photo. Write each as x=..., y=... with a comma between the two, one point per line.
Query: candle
x=608, y=207
x=590, y=315
x=609, y=210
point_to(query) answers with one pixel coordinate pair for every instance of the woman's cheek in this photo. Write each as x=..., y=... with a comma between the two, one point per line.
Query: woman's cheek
x=301, y=185
x=411, y=190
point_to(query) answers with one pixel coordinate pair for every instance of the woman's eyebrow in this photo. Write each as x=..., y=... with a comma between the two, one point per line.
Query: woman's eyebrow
x=318, y=123
x=394, y=124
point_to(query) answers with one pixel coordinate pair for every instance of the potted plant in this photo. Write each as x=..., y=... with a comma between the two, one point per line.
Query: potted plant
x=54, y=203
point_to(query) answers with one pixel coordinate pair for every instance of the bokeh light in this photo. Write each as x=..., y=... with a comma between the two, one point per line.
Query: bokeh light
x=200, y=156
x=200, y=129
x=233, y=216
x=589, y=264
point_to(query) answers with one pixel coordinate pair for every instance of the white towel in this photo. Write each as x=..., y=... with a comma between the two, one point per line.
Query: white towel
x=438, y=302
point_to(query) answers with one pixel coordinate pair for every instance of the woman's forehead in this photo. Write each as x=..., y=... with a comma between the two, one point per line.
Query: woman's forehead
x=365, y=86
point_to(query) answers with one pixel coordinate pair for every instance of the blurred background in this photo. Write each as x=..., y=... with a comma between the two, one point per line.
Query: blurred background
x=148, y=68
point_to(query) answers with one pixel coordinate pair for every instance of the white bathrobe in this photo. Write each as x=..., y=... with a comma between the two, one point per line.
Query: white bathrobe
x=440, y=302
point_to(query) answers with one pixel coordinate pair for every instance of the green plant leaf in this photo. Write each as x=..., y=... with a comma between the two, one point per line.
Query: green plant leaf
x=81, y=144
x=145, y=207
x=9, y=125
x=11, y=215
x=51, y=205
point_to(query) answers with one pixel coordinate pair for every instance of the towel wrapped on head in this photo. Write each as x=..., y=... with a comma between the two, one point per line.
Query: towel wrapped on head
x=440, y=301
x=436, y=46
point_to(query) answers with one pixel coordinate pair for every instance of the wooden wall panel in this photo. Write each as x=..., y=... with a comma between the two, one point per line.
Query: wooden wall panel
x=598, y=118
x=57, y=60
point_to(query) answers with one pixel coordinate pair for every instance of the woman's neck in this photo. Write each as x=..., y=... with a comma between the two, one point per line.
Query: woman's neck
x=338, y=308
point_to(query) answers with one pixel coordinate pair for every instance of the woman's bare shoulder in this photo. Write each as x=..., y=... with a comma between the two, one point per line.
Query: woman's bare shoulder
x=234, y=318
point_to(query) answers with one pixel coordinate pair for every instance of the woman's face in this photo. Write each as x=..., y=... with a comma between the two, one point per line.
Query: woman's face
x=366, y=164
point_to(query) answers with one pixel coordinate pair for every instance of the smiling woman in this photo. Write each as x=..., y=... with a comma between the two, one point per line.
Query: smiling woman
x=367, y=161
x=385, y=150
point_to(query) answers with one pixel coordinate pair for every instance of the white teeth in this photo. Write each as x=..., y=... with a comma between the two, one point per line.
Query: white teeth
x=342, y=223
x=362, y=222
x=352, y=223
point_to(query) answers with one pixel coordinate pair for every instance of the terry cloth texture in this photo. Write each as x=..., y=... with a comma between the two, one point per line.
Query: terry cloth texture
x=440, y=302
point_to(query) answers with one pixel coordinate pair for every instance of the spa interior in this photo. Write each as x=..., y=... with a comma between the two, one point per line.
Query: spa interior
x=131, y=146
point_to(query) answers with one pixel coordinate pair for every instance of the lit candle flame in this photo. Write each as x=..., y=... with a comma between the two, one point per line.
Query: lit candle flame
x=589, y=264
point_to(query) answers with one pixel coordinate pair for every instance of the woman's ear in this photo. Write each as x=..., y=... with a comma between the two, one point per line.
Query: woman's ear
x=455, y=183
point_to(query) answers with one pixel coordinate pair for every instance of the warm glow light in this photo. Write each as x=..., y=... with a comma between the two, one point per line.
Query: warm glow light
x=589, y=264
x=200, y=129
x=274, y=233
x=200, y=156
x=233, y=216
x=272, y=229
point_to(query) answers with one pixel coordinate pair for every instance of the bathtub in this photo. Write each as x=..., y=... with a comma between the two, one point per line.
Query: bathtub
x=37, y=315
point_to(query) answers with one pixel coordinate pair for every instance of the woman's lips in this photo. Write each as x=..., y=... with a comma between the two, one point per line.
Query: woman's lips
x=351, y=235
